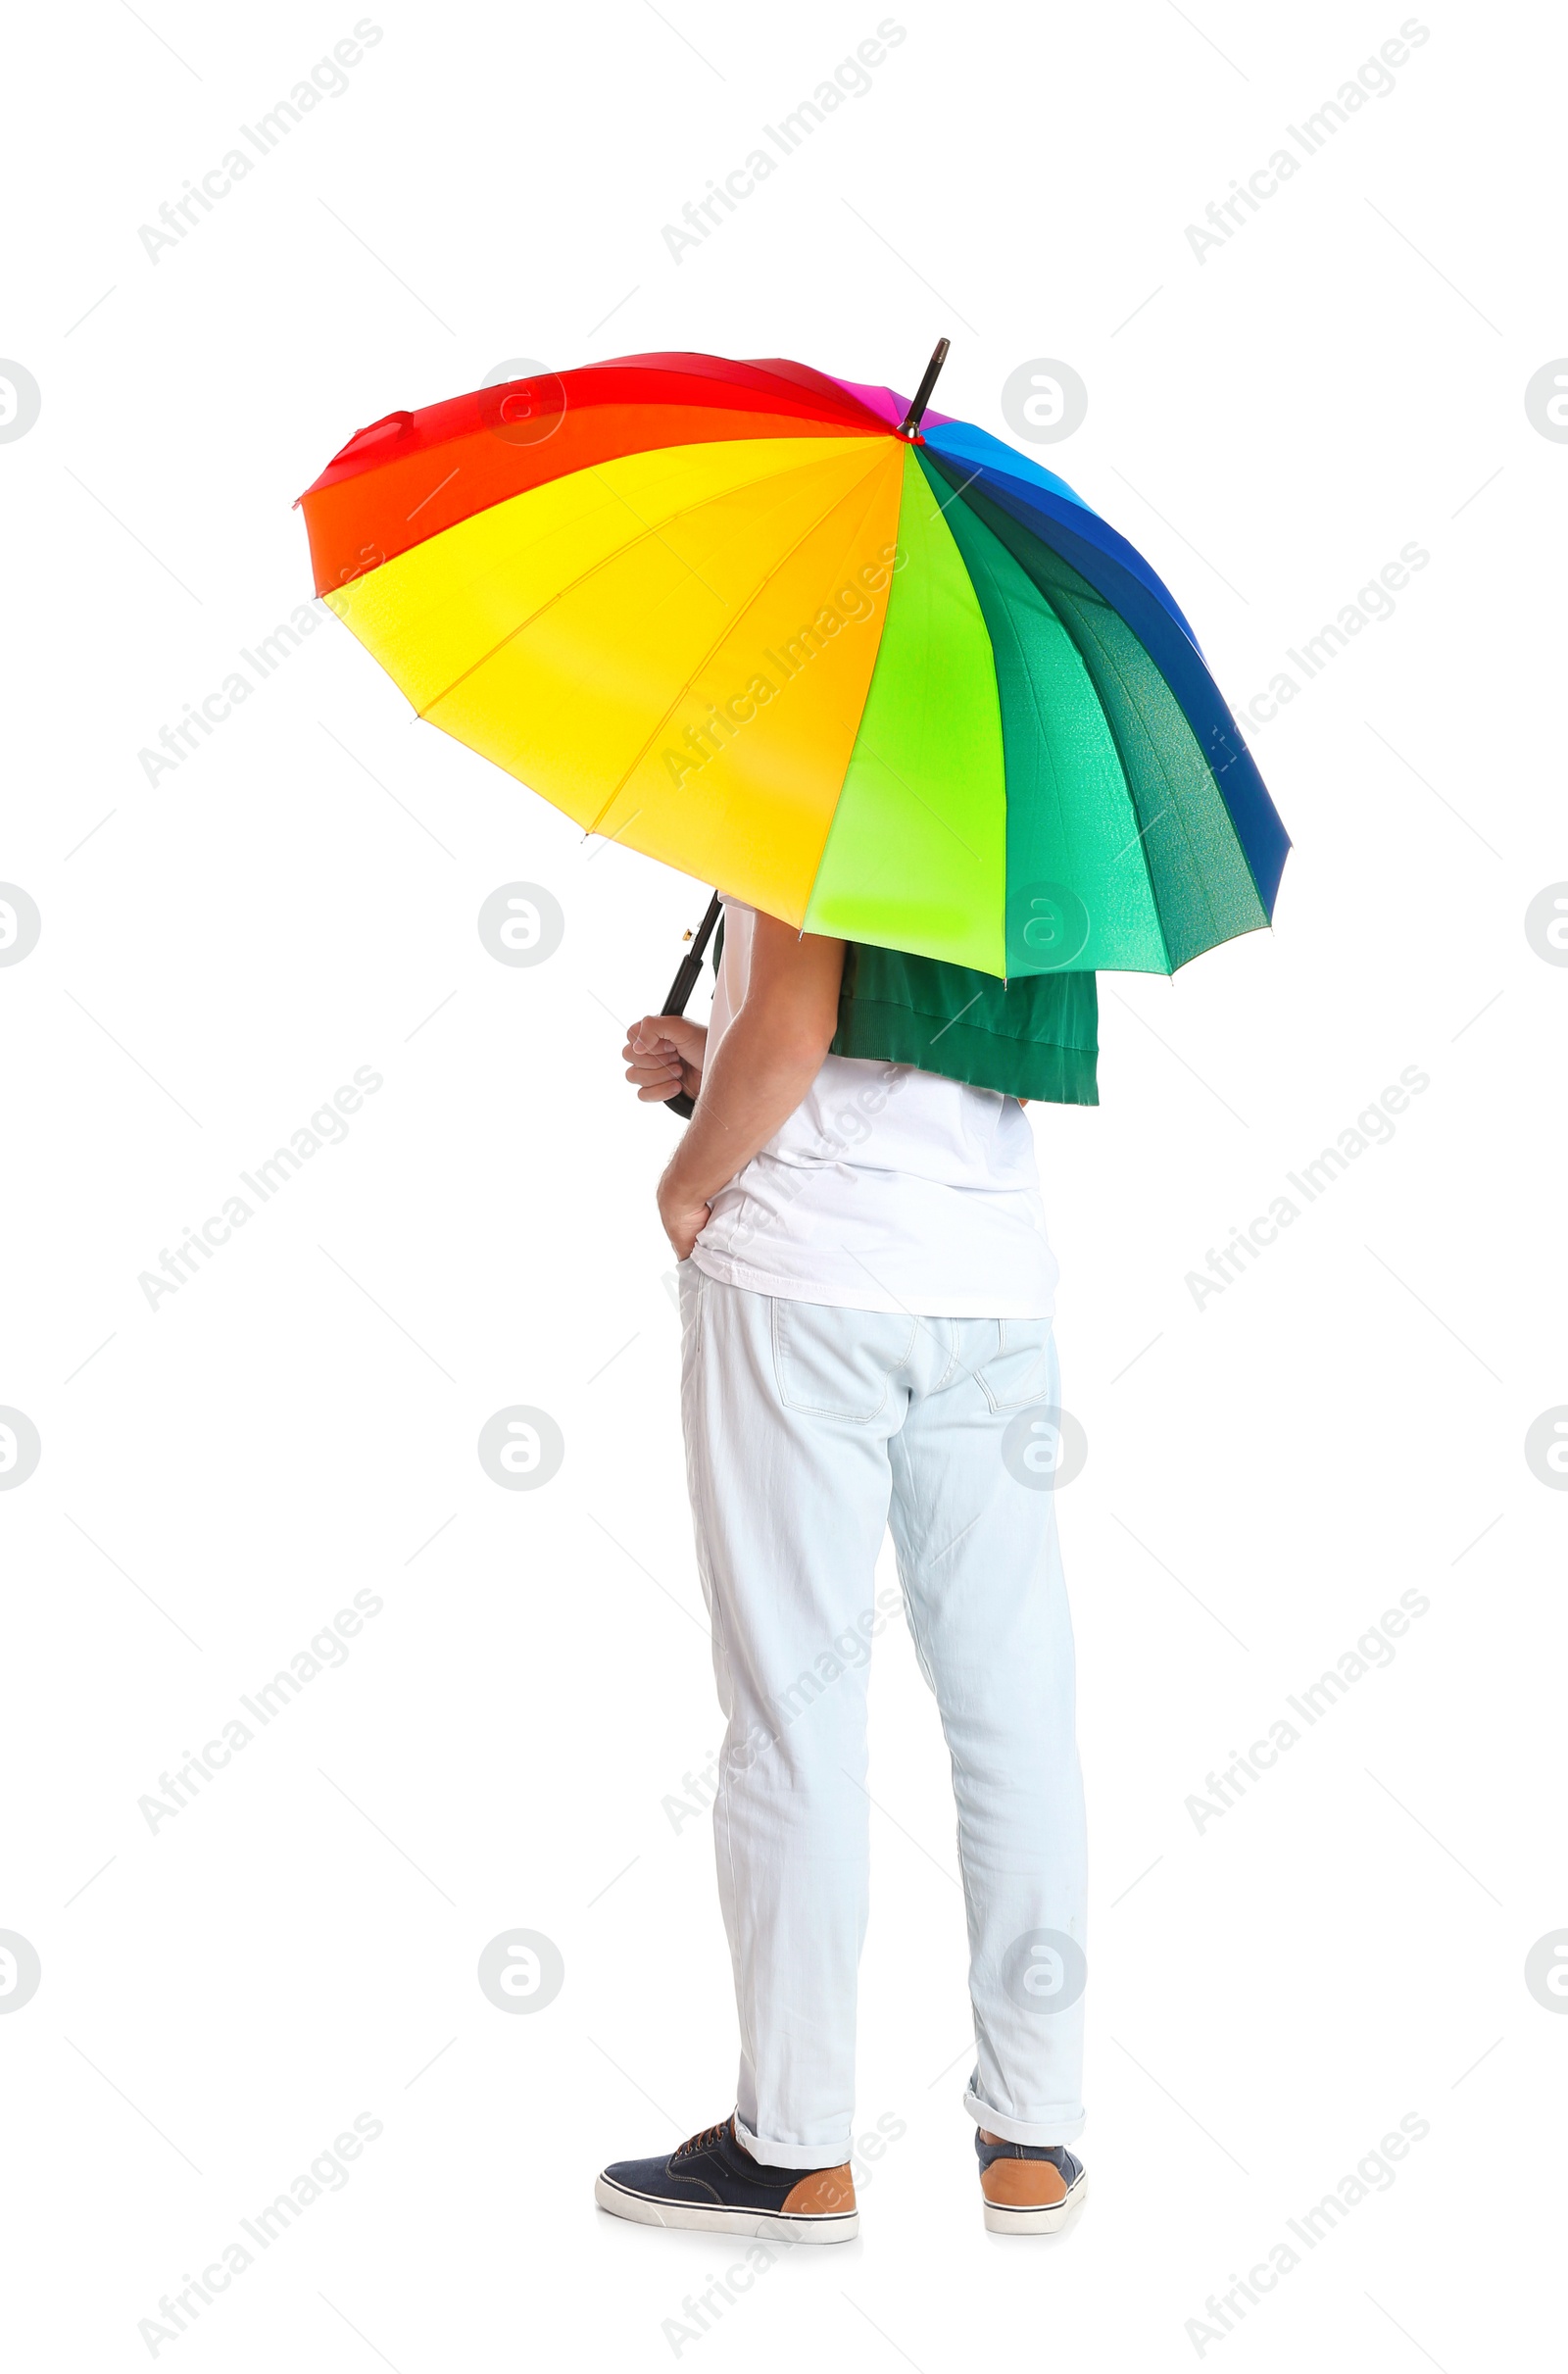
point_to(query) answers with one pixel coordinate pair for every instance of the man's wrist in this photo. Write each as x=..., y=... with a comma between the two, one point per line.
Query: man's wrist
x=674, y=1193
x=680, y=1183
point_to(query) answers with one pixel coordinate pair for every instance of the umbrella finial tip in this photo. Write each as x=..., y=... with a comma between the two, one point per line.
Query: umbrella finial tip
x=909, y=426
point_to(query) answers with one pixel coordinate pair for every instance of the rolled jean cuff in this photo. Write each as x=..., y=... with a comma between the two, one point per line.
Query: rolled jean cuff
x=1061, y=2125
x=791, y=2155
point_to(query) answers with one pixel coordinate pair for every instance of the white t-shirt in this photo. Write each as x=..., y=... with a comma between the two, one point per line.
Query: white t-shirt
x=887, y=1189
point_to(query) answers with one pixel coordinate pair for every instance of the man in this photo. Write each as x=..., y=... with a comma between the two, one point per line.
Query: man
x=867, y=1292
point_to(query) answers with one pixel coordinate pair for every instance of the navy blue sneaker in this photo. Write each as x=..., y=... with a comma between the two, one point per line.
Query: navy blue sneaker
x=1028, y=2188
x=714, y=2184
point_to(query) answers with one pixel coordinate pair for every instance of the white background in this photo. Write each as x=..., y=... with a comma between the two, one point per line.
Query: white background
x=223, y=948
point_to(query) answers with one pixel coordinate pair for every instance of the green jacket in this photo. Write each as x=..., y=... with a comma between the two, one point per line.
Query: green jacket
x=1034, y=1037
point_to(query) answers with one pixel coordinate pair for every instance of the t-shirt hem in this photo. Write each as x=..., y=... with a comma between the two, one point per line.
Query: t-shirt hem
x=726, y=1271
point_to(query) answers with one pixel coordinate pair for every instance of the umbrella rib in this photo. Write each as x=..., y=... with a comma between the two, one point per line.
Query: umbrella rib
x=1122, y=768
x=1138, y=841
x=1173, y=806
x=857, y=735
x=858, y=739
x=1040, y=712
x=1042, y=739
x=729, y=627
x=681, y=511
x=1109, y=661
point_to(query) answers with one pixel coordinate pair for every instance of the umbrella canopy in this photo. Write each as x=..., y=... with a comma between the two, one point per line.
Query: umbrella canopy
x=898, y=686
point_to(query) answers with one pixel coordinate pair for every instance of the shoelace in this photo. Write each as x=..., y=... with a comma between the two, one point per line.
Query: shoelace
x=700, y=2142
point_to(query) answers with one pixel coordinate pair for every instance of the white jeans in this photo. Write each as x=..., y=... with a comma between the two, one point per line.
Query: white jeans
x=803, y=1423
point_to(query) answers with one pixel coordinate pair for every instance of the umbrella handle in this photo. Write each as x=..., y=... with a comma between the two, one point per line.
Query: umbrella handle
x=680, y=989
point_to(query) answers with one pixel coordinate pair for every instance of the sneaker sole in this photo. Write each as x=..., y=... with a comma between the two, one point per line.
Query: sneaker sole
x=647, y=2209
x=1000, y=2219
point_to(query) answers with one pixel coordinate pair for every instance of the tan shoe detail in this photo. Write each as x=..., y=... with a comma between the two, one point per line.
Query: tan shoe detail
x=1023, y=2184
x=826, y=2193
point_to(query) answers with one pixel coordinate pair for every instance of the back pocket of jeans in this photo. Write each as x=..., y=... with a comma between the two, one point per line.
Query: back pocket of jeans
x=1022, y=1367
x=837, y=1363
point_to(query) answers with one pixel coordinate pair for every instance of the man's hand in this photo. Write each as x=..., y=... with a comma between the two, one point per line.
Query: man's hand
x=664, y=1055
x=761, y=1068
x=682, y=1219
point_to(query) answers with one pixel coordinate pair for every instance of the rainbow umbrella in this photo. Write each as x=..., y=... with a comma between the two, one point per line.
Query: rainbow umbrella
x=865, y=666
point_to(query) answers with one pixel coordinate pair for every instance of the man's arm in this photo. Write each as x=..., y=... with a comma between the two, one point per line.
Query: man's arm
x=763, y=1065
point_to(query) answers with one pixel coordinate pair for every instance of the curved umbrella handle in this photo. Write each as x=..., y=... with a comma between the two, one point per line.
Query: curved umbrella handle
x=680, y=989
